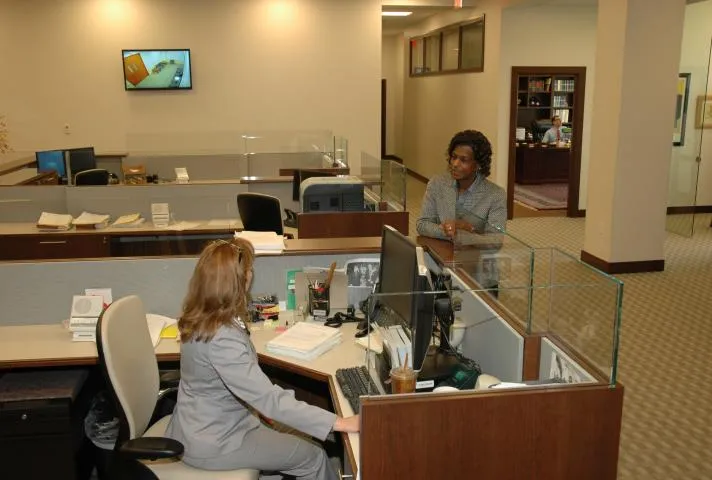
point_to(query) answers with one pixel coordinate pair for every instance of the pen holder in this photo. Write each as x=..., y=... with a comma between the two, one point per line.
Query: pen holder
x=319, y=301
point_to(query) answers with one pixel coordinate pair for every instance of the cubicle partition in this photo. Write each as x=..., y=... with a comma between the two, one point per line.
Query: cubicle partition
x=25, y=203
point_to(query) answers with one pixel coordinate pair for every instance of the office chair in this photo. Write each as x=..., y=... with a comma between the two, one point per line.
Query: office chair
x=129, y=364
x=95, y=176
x=260, y=213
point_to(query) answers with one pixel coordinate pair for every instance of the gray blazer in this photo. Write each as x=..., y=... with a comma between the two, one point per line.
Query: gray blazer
x=219, y=380
x=485, y=206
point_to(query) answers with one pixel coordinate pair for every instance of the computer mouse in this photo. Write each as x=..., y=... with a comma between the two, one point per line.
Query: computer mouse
x=362, y=325
x=361, y=332
x=485, y=381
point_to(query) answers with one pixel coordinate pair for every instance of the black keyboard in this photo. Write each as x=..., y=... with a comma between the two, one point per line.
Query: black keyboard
x=354, y=382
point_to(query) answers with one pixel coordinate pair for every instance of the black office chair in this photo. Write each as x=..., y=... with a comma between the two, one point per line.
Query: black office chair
x=95, y=176
x=260, y=213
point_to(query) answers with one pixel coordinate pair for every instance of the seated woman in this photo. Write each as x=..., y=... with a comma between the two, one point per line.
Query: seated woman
x=463, y=198
x=222, y=387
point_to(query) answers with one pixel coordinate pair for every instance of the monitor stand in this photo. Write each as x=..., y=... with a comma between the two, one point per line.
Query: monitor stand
x=437, y=367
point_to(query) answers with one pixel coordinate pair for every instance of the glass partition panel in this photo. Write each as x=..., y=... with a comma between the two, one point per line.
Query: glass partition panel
x=341, y=152
x=499, y=262
x=393, y=181
x=693, y=114
x=275, y=153
x=579, y=306
x=371, y=177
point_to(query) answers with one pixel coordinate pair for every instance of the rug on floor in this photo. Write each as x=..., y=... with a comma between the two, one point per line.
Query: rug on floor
x=546, y=196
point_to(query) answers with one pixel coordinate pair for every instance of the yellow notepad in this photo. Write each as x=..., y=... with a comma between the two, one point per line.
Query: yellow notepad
x=170, y=331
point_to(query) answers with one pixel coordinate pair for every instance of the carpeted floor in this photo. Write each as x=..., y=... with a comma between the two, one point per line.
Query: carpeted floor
x=665, y=357
x=546, y=196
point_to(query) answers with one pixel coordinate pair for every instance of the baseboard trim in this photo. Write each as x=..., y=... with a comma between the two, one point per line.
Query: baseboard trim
x=689, y=209
x=417, y=176
x=622, y=267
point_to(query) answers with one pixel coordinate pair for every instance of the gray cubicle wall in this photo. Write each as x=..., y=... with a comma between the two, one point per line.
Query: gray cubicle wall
x=26, y=203
x=227, y=166
x=186, y=202
x=41, y=292
x=489, y=339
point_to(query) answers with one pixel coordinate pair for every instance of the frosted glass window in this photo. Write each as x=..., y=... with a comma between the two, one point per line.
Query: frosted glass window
x=432, y=53
x=473, y=50
x=451, y=49
x=416, y=56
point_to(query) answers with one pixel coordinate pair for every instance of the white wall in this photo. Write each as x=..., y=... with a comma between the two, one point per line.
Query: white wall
x=696, y=36
x=257, y=64
x=392, y=70
x=547, y=36
x=435, y=108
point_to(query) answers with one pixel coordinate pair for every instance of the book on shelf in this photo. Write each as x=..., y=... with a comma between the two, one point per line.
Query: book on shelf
x=91, y=221
x=54, y=221
x=128, y=221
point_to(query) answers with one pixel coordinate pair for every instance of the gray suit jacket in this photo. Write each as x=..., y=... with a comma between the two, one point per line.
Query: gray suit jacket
x=485, y=206
x=219, y=380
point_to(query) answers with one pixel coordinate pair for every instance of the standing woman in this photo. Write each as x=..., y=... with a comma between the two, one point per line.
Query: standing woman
x=222, y=384
x=463, y=198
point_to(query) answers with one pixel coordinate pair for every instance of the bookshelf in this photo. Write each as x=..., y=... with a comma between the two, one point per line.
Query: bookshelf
x=540, y=97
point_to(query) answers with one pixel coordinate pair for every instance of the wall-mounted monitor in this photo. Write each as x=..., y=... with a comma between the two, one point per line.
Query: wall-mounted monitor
x=157, y=69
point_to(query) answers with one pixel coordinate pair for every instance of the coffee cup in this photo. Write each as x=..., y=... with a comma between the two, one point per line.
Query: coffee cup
x=402, y=380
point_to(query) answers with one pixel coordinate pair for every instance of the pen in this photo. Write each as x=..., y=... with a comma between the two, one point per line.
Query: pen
x=330, y=275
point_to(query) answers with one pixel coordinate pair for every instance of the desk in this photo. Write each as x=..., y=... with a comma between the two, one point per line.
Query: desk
x=541, y=164
x=557, y=432
x=35, y=346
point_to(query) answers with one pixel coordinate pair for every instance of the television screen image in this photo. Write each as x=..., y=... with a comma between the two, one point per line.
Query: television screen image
x=51, y=160
x=157, y=70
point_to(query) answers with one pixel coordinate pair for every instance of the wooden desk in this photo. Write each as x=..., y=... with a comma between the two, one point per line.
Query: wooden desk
x=542, y=164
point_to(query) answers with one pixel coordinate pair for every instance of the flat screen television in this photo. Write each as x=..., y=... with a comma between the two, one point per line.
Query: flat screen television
x=51, y=160
x=157, y=69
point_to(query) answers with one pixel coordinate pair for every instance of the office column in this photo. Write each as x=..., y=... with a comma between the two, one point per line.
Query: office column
x=637, y=60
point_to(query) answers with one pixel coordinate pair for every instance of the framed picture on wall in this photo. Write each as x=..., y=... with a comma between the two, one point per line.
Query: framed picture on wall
x=703, y=113
x=683, y=92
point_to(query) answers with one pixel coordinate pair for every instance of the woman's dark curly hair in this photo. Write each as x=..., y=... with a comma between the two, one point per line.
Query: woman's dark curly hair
x=480, y=146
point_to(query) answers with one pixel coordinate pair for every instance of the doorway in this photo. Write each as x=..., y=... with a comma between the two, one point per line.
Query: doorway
x=546, y=124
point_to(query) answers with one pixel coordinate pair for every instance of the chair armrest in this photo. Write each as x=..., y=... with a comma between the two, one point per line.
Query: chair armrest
x=169, y=379
x=152, y=448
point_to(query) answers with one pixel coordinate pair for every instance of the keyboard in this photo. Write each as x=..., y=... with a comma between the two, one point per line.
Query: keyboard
x=354, y=382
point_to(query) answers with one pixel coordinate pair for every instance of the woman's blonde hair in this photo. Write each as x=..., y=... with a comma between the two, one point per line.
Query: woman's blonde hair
x=217, y=293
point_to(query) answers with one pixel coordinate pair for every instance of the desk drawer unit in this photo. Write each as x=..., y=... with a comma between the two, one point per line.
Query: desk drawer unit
x=53, y=246
x=40, y=430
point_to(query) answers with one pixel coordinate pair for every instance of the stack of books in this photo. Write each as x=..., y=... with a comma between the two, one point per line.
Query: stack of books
x=91, y=221
x=54, y=221
x=305, y=341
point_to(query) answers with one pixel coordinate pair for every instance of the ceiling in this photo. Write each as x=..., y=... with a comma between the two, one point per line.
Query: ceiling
x=395, y=25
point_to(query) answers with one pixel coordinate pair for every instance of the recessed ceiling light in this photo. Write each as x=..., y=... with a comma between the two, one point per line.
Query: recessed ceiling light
x=396, y=14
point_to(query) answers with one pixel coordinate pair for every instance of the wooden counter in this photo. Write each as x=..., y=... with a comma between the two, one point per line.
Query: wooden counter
x=542, y=164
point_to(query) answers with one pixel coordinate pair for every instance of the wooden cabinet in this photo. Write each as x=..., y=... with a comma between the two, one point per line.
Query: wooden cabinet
x=53, y=246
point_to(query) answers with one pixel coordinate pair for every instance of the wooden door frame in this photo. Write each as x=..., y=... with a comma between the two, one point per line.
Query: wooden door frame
x=572, y=206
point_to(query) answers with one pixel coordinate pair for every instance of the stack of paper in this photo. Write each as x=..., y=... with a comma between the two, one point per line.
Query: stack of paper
x=156, y=325
x=54, y=221
x=128, y=221
x=305, y=341
x=91, y=221
x=264, y=242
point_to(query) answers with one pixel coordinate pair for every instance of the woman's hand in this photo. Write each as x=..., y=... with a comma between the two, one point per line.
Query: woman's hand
x=451, y=227
x=348, y=424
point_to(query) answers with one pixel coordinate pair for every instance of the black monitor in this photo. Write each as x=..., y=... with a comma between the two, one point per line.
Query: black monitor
x=81, y=159
x=50, y=160
x=403, y=271
x=301, y=175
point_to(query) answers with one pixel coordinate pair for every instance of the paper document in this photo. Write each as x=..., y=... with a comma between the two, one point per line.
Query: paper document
x=305, y=340
x=263, y=241
x=91, y=220
x=54, y=221
x=130, y=220
x=156, y=323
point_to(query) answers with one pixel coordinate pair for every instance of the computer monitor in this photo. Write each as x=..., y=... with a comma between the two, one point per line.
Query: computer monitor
x=81, y=159
x=301, y=175
x=403, y=271
x=50, y=160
